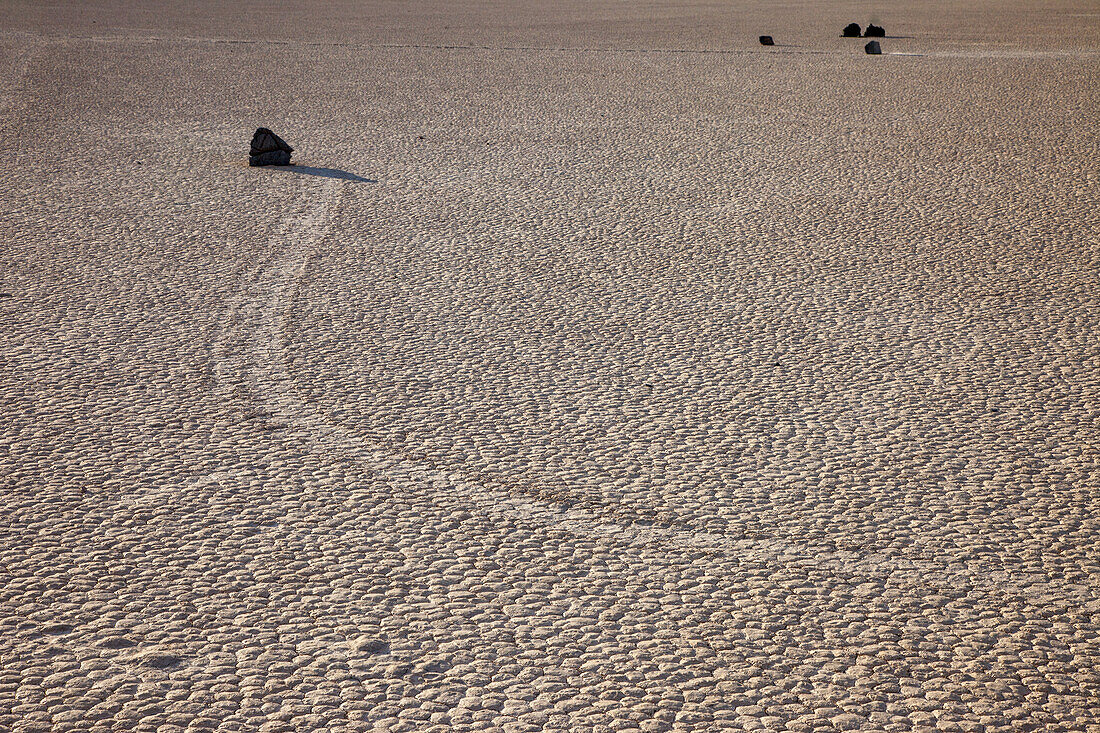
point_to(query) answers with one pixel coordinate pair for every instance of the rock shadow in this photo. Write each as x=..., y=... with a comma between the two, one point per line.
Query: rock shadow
x=309, y=170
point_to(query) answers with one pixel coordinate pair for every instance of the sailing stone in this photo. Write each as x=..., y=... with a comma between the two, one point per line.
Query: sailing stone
x=268, y=149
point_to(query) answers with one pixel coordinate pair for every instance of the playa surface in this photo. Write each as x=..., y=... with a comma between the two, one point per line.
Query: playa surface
x=594, y=369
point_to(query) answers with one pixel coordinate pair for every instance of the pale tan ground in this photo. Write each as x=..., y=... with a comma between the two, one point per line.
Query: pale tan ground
x=603, y=371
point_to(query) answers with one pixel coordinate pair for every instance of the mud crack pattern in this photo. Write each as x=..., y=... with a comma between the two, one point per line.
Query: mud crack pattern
x=562, y=387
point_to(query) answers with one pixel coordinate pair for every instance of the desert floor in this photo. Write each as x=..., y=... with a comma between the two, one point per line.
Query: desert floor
x=596, y=368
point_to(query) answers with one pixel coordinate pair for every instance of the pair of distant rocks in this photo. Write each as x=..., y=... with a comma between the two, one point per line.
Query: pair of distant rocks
x=852, y=30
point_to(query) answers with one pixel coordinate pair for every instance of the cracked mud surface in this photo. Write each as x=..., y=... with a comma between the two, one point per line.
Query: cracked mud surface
x=560, y=387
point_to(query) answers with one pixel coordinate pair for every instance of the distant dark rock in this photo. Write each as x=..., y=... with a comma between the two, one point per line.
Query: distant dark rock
x=874, y=31
x=851, y=30
x=268, y=149
x=873, y=48
x=766, y=41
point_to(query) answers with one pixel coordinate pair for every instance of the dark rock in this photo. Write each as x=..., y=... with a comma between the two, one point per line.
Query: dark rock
x=873, y=48
x=874, y=31
x=265, y=141
x=274, y=157
x=851, y=30
x=268, y=149
x=766, y=41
